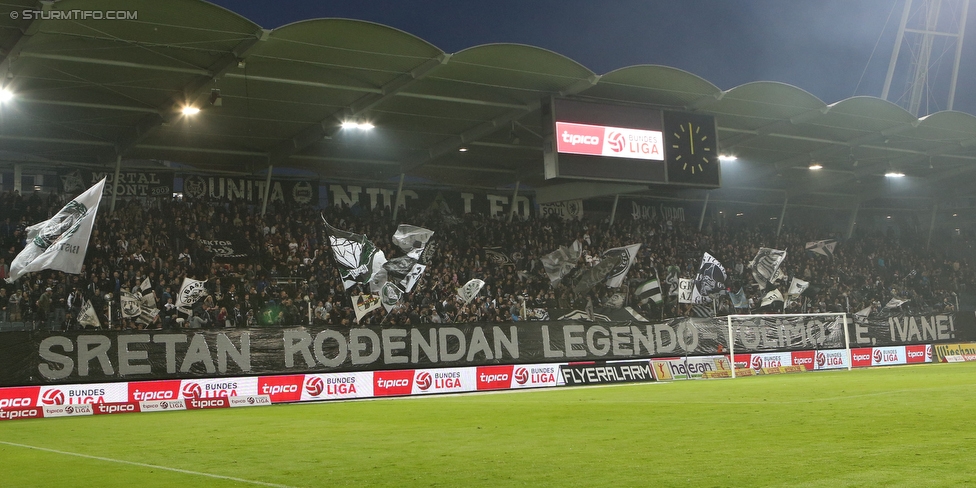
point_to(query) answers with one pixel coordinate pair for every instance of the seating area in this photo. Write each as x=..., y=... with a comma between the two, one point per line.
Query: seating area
x=288, y=277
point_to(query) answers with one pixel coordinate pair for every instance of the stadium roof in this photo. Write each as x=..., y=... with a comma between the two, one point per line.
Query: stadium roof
x=89, y=91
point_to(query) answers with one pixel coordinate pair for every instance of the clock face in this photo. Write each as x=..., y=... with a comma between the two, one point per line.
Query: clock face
x=691, y=147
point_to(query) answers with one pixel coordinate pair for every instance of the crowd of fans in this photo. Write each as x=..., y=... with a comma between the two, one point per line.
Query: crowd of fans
x=289, y=276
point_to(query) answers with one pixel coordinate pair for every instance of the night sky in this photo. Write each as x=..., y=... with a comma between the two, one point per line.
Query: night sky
x=822, y=47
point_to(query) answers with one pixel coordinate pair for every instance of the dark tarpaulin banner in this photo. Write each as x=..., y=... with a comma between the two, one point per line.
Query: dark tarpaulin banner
x=228, y=247
x=28, y=358
x=446, y=201
x=250, y=190
x=140, y=183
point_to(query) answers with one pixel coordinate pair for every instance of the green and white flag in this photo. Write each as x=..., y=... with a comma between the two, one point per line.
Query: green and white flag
x=353, y=254
x=60, y=242
x=650, y=290
x=390, y=295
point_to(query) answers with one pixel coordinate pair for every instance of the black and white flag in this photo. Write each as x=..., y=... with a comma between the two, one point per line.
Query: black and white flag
x=773, y=301
x=672, y=280
x=190, y=292
x=404, y=271
x=627, y=255
x=353, y=255
x=87, y=316
x=824, y=247
x=710, y=279
x=766, y=265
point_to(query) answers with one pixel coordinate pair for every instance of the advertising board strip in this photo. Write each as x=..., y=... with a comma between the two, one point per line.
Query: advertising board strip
x=617, y=372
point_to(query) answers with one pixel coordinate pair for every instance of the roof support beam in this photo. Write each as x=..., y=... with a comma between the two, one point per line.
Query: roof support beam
x=170, y=111
x=99, y=106
x=11, y=50
x=489, y=127
x=330, y=125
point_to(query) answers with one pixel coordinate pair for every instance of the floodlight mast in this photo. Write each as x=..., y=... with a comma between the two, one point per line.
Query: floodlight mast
x=922, y=29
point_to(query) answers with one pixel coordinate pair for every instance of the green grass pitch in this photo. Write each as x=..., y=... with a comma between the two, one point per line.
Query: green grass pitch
x=903, y=426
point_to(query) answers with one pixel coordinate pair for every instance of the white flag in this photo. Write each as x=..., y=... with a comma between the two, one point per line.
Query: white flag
x=146, y=285
x=61, y=241
x=190, y=292
x=131, y=306
x=412, y=239
x=685, y=290
x=87, y=316
x=766, y=265
x=771, y=298
x=364, y=304
x=895, y=303
x=470, y=290
x=863, y=313
x=798, y=286
x=627, y=256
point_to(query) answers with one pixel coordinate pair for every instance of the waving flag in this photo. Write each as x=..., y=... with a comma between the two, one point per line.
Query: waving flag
x=470, y=290
x=364, y=304
x=773, y=301
x=60, y=242
x=739, y=299
x=798, y=286
x=824, y=247
x=650, y=290
x=710, y=279
x=190, y=292
x=765, y=266
x=627, y=256
x=87, y=316
x=353, y=254
x=560, y=262
x=412, y=239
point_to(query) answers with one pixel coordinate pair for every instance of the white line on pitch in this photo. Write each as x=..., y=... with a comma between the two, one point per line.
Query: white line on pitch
x=144, y=465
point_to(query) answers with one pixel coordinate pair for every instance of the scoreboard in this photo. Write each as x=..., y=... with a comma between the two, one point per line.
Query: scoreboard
x=592, y=141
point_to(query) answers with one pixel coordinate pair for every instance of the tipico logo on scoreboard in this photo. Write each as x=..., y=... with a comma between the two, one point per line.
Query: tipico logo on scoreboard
x=614, y=142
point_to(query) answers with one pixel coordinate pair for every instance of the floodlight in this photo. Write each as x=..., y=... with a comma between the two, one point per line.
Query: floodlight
x=6, y=95
x=727, y=157
x=816, y=166
x=188, y=110
x=894, y=174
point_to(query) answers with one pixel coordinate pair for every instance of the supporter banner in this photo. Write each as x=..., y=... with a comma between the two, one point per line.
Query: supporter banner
x=37, y=358
x=913, y=329
x=622, y=372
x=251, y=190
x=130, y=183
x=448, y=202
x=228, y=247
x=654, y=211
x=570, y=210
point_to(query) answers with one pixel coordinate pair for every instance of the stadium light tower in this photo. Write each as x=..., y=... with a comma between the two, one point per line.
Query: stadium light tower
x=927, y=24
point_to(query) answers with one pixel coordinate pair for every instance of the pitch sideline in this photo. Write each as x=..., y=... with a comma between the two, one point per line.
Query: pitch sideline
x=145, y=465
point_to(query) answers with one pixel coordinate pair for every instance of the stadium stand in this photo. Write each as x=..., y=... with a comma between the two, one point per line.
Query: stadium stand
x=289, y=276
